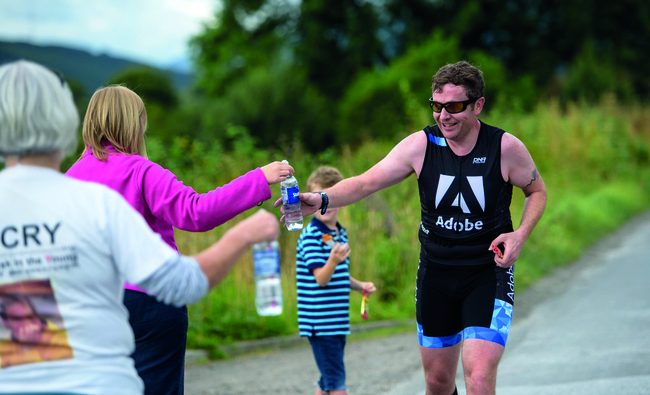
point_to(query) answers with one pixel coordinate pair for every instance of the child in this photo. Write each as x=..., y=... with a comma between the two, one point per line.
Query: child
x=115, y=155
x=324, y=282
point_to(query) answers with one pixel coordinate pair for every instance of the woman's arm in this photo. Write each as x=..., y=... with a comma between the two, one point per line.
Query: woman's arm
x=182, y=207
x=183, y=280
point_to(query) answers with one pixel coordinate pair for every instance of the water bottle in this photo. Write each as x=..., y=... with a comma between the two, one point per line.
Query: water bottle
x=291, y=203
x=268, y=292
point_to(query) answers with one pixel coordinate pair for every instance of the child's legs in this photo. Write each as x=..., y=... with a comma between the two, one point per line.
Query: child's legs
x=328, y=353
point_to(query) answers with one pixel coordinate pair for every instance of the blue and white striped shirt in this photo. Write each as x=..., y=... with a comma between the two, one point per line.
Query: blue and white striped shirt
x=322, y=311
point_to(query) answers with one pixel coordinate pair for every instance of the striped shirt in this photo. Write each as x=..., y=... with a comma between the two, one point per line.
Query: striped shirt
x=322, y=311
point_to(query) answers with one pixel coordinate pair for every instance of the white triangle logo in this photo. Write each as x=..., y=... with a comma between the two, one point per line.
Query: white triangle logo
x=475, y=182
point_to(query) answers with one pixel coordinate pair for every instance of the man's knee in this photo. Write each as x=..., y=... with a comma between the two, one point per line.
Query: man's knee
x=440, y=384
x=480, y=381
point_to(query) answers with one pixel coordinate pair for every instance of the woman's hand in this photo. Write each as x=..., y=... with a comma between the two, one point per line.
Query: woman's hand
x=276, y=172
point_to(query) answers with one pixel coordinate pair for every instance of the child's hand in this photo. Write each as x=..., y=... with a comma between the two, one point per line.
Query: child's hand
x=277, y=172
x=367, y=287
x=340, y=252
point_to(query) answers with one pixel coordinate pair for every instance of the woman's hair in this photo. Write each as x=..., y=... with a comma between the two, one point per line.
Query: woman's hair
x=115, y=115
x=37, y=113
x=324, y=177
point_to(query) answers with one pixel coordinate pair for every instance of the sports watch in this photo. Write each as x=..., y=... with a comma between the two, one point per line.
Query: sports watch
x=325, y=201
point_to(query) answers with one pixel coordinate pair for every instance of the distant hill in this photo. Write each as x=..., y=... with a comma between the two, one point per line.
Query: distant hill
x=91, y=71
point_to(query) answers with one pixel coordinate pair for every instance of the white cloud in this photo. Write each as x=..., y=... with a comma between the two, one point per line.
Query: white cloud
x=151, y=31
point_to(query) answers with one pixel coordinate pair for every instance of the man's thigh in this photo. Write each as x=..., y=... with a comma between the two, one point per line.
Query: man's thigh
x=481, y=357
x=442, y=362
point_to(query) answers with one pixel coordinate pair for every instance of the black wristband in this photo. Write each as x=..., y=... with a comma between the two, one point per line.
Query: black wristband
x=325, y=201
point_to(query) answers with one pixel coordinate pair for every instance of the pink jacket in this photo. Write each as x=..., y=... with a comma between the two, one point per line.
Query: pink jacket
x=163, y=200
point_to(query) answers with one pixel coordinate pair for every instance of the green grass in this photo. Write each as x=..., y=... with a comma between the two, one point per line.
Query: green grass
x=594, y=161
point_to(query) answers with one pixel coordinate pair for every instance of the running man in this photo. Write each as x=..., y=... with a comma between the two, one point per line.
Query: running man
x=465, y=170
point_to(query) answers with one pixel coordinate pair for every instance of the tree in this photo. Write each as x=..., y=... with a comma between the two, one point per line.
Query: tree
x=535, y=37
x=153, y=87
x=248, y=34
x=336, y=39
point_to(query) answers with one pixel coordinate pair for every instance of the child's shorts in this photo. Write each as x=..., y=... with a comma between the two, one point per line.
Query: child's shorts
x=328, y=352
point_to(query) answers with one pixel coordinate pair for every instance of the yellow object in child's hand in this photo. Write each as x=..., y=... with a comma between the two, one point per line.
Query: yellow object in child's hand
x=364, y=305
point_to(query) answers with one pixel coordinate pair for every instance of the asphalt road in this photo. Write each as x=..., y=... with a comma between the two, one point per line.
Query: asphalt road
x=582, y=330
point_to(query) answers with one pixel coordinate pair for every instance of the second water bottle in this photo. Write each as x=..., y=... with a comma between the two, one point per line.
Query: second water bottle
x=268, y=290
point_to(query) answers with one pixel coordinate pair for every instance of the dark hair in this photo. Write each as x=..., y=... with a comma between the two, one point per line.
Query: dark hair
x=7, y=299
x=461, y=74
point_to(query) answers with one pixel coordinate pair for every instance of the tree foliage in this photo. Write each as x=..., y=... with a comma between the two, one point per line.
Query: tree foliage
x=153, y=87
x=248, y=34
x=537, y=37
x=336, y=39
x=354, y=70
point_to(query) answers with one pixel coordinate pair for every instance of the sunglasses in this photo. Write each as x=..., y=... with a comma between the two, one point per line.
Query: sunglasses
x=452, y=107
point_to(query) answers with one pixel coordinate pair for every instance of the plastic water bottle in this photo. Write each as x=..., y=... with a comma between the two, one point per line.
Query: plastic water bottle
x=268, y=290
x=291, y=203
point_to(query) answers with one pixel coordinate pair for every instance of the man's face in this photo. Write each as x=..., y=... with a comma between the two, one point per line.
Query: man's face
x=456, y=126
x=24, y=324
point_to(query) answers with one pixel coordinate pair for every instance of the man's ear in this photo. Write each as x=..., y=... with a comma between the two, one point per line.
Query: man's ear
x=478, y=105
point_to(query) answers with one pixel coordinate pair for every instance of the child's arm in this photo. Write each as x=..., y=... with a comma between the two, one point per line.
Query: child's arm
x=362, y=286
x=324, y=274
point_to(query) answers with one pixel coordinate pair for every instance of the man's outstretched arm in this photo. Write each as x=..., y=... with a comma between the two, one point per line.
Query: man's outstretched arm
x=403, y=160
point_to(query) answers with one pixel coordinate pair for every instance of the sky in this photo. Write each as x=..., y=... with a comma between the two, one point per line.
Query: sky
x=154, y=32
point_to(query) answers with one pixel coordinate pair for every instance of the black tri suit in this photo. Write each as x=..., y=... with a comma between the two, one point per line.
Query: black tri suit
x=461, y=293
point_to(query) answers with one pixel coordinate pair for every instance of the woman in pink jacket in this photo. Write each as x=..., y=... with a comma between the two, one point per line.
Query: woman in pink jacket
x=115, y=155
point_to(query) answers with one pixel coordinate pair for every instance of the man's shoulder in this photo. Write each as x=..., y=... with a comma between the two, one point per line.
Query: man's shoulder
x=491, y=128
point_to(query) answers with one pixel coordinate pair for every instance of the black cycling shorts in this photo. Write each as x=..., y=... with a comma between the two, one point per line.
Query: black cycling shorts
x=454, y=303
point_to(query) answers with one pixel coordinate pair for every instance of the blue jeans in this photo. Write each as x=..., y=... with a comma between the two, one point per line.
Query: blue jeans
x=160, y=340
x=328, y=352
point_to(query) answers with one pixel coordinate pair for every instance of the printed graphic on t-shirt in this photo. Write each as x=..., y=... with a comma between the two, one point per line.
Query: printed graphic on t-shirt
x=25, y=265
x=32, y=328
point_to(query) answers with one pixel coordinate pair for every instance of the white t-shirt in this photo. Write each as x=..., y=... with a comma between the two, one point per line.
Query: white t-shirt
x=68, y=247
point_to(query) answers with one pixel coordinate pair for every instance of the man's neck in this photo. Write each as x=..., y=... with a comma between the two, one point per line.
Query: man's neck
x=465, y=145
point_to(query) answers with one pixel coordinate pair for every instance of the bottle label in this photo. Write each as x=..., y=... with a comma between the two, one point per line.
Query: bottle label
x=267, y=262
x=290, y=195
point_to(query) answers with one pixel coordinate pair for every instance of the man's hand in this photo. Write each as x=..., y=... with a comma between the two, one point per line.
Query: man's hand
x=310, y=203
x=513, y=243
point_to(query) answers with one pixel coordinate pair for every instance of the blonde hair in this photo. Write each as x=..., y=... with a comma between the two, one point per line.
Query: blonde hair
x=324, y=177
x=37, y=113
x=115, y=115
